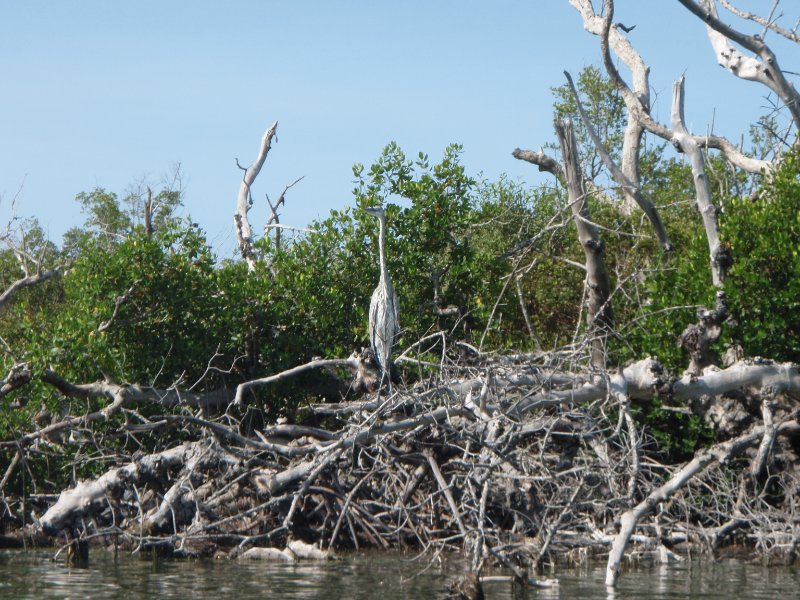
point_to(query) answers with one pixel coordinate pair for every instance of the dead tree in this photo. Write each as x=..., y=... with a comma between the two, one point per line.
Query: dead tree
x=598, y=289
x=244, y=232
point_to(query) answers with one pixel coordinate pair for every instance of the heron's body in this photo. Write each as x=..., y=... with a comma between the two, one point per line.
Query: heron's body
x=383, y=323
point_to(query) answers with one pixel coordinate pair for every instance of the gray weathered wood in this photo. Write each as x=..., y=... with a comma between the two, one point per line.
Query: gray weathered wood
x=244, y=232
x=598, y=288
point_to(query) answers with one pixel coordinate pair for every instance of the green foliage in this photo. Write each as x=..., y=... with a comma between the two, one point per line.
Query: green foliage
x=105, y=214
x=447, y=233
x=110, y=220
x=660, y=305
x=162, y=289
x=763, y=285
x=328, y=277
x=469, y=258
x=678, y=435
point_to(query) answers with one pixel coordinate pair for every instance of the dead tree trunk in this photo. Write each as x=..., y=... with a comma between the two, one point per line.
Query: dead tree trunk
x=598, y=314
x=686, y=143
x=628, y=182
x=244, y=232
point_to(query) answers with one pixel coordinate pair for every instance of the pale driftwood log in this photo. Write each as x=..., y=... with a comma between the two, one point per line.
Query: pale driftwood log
x=764, y=69
x=686, y=143
x=308, y=551
x=178, y=503
x=244, y=232
x=598, y=314
x=268, y=554
x=645, y=380
x=718, y=453
x=137, y=394
x=630, y=186
x=89, y=496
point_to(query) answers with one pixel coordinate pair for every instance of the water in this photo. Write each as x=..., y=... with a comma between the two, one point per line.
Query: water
x=372, y=575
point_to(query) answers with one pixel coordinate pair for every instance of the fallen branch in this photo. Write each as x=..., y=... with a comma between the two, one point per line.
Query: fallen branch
x=719, y=453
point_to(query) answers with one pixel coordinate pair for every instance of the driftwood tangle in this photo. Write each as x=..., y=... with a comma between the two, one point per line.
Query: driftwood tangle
x=512, y=460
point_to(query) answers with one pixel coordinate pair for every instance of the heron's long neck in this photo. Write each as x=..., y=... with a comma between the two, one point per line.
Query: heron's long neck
x=381, y=248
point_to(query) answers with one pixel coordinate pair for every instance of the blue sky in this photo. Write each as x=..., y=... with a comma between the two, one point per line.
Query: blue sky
x=112, y=93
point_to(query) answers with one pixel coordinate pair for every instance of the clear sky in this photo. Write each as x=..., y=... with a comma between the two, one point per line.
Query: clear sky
x=110, y=93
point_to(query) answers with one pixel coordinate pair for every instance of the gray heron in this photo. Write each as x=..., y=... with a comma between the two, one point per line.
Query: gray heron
x=383, y=323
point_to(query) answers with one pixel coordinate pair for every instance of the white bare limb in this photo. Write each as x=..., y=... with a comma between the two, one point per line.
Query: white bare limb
x=351, y=362
x=598, y=314
x=244, y=232
x=86, y=496
x=764, y=69
x=634, y=129
x=719, y=453
x=24, y=282
x=645, y=380
x=630, y=187
x=637, y=104
x=687, y=144
x=768, y=23
x=541, y=160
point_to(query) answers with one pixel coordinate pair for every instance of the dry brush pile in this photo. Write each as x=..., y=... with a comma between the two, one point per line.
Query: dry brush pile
x=517, y=460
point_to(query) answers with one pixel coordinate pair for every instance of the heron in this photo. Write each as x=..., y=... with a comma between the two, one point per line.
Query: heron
x=383, y=323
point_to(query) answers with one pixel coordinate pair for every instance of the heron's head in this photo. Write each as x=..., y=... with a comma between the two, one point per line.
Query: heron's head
x=375, y=211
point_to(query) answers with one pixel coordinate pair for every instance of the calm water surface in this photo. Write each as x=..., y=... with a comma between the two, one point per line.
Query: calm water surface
x=382, y=576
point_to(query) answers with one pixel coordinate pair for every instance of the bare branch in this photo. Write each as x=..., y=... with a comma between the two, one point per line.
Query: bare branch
x=764, y=69
x=273, y=220
x=18, y=376
x=540, y=159
x=148, y=212
x=598, y=288
x=685, y=142
x=132, y=393
x=314, y=364
x=244, y=232
x=719, y=453
x=637, y=104
x=629, y=188
x=120, y=300
x=634, y=130
x=768, y=23
x=24, y=282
